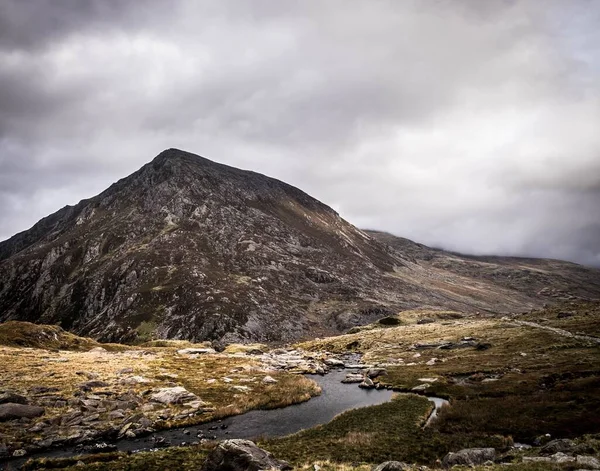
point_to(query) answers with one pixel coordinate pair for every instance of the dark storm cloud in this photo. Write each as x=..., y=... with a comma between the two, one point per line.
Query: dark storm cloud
x=469, y=125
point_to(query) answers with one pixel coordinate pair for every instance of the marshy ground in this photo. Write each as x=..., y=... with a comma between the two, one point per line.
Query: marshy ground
x=508, y=379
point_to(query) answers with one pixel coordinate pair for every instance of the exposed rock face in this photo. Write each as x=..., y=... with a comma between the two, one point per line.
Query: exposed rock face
x=469, y=457
x=241, y=455
x=186, y=248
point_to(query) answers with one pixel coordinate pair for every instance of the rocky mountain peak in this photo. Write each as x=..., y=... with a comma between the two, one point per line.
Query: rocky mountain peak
x=187, y=248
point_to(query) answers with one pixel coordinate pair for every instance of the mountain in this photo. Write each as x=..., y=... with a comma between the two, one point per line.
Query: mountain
x=187, y=248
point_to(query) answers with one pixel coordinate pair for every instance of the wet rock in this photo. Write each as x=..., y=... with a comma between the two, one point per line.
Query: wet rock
x=241, y=455
x=367, y=384
x=376, y=372
x=587, y=462
x=12, y=411
x=334, y=362
x=469, y=457
x=19, y=453
x=14, y=398
x=353, y=378
x=176, y=395
x=562, y=445
x=392, y=466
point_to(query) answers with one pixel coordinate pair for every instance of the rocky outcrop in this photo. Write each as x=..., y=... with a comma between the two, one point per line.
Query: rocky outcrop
x=12, y=411
x=469, y=457
x=241, y=455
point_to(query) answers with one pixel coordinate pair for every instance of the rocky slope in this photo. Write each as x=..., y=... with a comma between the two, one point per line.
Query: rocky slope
x=187, y=248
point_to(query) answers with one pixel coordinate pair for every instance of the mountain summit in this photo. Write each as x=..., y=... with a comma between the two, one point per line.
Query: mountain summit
x=188, y=248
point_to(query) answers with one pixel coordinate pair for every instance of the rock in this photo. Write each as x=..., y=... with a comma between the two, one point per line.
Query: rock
x=241, y=455
x=195, y=404
x=425, y=320
x=98, y=350
x=134, y=380
x=562, y=445
x=93, y=384
x=100, y=447
x=587, y=462
x=334, y=362
x=116, y=414
x=432, y=362
x=241, y=388
x=428, y=380
x=88, y=374
x=353, y=378
x=392, y=466
x=420, y=387
x=196, y=351
x=269, y=380
x=176, y=395
x=561, y=458
x=13, y=398
x=375, y=372
x=469, y=457
x=367, y=384
x=11, y=411
x=125, y=371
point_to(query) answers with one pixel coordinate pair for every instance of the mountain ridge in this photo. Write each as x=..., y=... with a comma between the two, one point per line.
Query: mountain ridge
x=191, y=249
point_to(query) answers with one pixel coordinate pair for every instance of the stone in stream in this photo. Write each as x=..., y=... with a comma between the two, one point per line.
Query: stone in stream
x=12, y=411
x=241, y=455
x=367, y=384
x=334, y=362
x=469, y=457
x=392, y=466
x=375, y=372
x=353, y=378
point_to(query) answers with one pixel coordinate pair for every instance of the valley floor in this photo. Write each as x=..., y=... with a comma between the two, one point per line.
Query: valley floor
x=510, y=379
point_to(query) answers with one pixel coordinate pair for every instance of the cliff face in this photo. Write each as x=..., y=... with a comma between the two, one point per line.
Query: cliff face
x=191, y=249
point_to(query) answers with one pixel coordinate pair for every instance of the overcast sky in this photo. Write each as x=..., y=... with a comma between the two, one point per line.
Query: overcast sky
x=469, y=125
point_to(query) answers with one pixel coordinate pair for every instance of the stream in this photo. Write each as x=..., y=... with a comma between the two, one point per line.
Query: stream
x=336, y=397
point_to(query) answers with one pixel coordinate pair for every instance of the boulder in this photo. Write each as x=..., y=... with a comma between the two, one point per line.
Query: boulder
x=469, y=457
x=588, y=462
x=392, y=466
x=241, y=455
x=353, y=378
x=176, y=395
x=13, y=398
x=375, y=372
x=560, y=445
x=334, y=362
x=269, y=380
x=11, y=411
x=367, y=384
